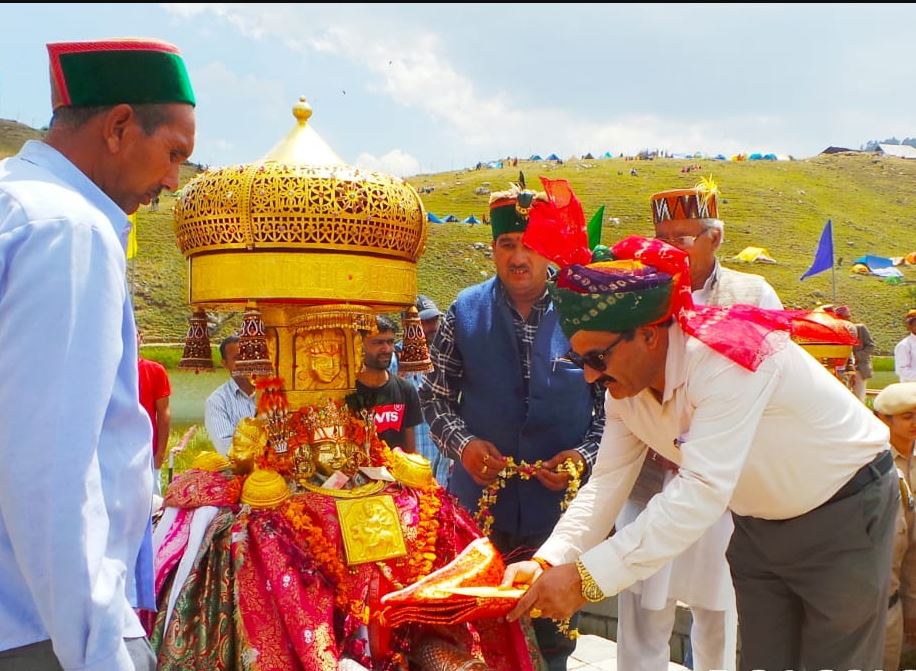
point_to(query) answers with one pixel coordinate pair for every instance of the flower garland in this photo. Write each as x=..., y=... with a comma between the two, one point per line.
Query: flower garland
x=525, y=471
x=325, y=555
x=424, y=556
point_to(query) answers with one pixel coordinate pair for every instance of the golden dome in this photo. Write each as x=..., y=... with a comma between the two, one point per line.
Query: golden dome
x=251, y=231
x=264, y=489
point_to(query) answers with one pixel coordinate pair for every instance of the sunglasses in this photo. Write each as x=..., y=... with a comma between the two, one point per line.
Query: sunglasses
x=595, y=360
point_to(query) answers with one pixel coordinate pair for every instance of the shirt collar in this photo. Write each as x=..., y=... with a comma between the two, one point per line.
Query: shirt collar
x=675, y=361
x=713, y=278
x=47, y=157
x=235, y=388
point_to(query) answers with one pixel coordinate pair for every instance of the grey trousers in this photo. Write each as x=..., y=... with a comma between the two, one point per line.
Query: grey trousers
x=40, y=657
x=812, y=590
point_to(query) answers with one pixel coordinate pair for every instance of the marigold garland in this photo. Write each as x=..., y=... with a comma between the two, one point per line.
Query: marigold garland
x=324, y=554
x=525, y=471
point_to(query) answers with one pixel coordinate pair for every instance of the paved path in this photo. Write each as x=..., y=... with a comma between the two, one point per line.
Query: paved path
x=594, y=653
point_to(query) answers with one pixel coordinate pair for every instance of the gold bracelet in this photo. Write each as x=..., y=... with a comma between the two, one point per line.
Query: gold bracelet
x=591, y=591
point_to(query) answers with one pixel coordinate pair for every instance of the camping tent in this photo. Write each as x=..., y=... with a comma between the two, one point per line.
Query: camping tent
x=589, y=157
x=608, y=154
x=471, y=220
x=553, y=157
x=433, y=218
x=874, y=262
x=450, y=218
x=754, y=255
x=535, y=157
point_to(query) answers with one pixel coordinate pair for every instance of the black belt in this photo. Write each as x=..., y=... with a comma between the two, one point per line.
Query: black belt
x=893, y=599
x=870, y=472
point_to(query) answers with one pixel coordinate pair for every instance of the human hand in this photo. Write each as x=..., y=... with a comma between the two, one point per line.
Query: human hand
x=555, y=593
x=482, y=461
x=521, y=573
x=548, y=475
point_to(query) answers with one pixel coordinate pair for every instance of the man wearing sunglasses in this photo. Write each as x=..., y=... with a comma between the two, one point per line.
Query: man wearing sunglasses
x=502, y=387
x=687, y=219
x=755, y=425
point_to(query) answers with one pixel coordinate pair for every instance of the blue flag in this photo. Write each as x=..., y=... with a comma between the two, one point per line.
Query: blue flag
x=823, y=257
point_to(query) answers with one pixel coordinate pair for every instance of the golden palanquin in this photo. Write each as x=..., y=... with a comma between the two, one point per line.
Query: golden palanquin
x=278, y=556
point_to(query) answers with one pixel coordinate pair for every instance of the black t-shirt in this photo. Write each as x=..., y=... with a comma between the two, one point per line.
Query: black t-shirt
x=397, y=407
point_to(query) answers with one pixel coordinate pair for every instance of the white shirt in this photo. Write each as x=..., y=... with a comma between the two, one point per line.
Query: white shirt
x=773, y=444
x=905, y=359
x=226, y=407
x=75, y=472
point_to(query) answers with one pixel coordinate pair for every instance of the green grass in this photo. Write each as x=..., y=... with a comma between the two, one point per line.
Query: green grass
x=778, y=205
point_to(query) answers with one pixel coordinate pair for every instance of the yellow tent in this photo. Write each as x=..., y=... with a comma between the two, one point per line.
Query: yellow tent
x=754, y=254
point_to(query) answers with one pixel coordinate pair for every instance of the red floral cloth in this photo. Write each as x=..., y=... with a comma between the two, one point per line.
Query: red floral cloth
x=193, y=489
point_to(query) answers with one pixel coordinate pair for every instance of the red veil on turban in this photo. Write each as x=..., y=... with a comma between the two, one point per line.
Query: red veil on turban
x=644, y=281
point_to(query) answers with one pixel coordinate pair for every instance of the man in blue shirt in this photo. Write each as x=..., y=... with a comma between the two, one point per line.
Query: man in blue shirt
x=76, y=478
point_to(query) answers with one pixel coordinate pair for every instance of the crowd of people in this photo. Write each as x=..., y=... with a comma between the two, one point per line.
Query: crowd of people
x=723, y=466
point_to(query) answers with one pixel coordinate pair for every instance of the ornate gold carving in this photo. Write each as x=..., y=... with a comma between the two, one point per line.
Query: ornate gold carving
x=320, y=359
x=263, y=205
x=371, y=529
x=332, y=449
x=248, y=443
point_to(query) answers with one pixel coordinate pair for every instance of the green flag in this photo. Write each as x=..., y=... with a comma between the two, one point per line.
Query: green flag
x=594, y=228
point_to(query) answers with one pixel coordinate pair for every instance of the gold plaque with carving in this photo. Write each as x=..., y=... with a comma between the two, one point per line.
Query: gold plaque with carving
x=371, y=529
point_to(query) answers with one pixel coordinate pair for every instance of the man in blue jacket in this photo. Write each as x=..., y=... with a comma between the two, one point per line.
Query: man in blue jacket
x=502, y=388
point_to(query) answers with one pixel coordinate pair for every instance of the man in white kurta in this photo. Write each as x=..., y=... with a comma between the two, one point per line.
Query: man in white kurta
x=699, y=577
x=760, y=429
x=905, y=351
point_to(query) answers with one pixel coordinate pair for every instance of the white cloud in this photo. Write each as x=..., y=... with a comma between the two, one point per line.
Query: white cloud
x=395, y=162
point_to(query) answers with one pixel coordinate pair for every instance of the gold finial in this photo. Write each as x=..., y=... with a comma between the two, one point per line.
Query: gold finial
x=302, y=145
x=302, y=111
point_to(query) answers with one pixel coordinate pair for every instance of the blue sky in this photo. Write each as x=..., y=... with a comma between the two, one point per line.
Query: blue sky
x=420, y=88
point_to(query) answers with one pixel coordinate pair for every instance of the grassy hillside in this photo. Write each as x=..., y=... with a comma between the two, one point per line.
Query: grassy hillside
x=778, y=205
x=13, y=134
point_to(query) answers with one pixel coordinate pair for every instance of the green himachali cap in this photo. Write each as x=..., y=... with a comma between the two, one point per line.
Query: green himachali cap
x=124, y=70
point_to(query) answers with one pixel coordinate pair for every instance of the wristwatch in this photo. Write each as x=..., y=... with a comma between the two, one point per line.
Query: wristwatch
x=590, y=589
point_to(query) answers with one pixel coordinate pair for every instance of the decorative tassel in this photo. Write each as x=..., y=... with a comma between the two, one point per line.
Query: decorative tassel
x=414, y=357
x=253, y=358
x=197, y=353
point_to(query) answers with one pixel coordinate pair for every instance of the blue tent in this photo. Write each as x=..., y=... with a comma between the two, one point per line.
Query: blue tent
x=608, y=154
x=433, y=218
x=721, y=157
x=755, y=157
x=535, y=157
x=769, y=157
x=874, y=262
x=450, y=218
x=553, y=157
x=471, y=220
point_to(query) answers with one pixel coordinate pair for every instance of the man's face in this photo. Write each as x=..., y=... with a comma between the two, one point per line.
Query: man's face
x=520, y=269
x=232, y=355
x=150, y=163
x=430, y=326
x=693, y=237
x=377, y=350
x=629, y=365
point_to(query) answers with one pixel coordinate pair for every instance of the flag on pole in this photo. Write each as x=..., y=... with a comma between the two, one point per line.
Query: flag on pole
x=823, y=256
x=132, y=236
